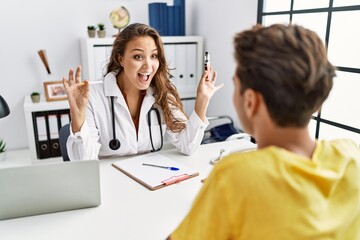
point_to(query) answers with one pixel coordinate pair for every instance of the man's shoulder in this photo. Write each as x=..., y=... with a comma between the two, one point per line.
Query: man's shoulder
x=242, y=157
x=251, y=160
x=345, y=143
x=340, y=147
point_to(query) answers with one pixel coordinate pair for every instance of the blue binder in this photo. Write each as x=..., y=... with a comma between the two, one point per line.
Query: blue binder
x=181, y=5
x=171, y=20
x=177, y=21
x=164, y=20
x=154, y=17
x=158, y=17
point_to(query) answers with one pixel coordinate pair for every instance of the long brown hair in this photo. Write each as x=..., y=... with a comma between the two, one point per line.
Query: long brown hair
x=165, y=93
x=288, y=65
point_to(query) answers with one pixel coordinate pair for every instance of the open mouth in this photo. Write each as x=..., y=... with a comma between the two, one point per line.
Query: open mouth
x=144, y=77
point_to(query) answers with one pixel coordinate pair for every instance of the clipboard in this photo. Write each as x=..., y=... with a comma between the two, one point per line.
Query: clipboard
x=154, y=178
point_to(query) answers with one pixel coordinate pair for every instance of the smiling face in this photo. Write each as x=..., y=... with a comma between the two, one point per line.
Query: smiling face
x=140, y=63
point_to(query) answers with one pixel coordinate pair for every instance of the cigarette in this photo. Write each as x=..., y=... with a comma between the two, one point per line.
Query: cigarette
x=91, y=82
x=95, y=82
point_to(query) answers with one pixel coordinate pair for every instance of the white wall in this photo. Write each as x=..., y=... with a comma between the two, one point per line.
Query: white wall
x=218, y=24
x=58, y=26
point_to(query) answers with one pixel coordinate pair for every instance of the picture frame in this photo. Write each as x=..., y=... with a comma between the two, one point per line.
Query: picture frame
x=54, y=91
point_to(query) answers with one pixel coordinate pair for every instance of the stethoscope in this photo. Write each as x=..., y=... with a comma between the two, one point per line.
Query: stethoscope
x=115, y=144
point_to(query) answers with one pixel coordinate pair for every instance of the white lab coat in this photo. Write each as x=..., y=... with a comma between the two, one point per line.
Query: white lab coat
x=92, y=142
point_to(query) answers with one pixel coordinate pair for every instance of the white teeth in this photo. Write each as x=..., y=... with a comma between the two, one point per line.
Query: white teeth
x=145, y=74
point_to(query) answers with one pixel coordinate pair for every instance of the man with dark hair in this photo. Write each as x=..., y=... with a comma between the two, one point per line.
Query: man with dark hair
x=292, y=187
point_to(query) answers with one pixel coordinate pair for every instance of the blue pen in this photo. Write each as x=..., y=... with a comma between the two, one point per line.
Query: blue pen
x=170, y=168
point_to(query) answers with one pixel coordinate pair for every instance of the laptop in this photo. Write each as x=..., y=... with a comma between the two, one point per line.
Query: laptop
x=48, y=187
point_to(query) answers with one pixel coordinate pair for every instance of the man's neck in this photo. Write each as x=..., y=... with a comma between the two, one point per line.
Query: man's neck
x=293, y=139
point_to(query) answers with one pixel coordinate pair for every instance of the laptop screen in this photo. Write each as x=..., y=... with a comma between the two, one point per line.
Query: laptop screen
x=49, y=187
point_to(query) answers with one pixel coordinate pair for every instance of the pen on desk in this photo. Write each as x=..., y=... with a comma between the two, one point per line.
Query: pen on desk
x=170, y=168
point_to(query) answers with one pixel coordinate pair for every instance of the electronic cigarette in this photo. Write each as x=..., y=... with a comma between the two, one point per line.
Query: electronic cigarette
x=206, y=61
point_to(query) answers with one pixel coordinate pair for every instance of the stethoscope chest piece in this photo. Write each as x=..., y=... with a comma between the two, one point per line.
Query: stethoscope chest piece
x=114, y=144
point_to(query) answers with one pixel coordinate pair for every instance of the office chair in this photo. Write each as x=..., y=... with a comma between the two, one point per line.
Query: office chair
x=218, y=131
x=63, y=136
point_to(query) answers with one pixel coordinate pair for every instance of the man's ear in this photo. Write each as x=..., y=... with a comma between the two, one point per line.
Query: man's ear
x=251, y=102
x=121, y=61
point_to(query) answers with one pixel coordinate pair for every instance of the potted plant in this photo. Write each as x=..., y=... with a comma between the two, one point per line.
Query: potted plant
x=35, y=97
x=91, y=31
x=101, y=32
x=2, y=150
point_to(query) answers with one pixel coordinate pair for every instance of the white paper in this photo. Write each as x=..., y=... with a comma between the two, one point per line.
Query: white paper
x=152, y=176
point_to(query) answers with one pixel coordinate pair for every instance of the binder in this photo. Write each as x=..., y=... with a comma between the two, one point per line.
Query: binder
x=54, y=133
x=46, y=131
x=177, y=21
x=171, y=20
x=192, y=79
x=41, y=135
x=164, y=19
x=181, y=5
x=170, y=55
x=64, y=116
x=155, y=16
x=158, y=17
x=154, y=178
x=181, y=71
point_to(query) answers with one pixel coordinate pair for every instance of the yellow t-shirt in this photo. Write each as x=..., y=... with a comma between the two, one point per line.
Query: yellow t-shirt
x=275, y=194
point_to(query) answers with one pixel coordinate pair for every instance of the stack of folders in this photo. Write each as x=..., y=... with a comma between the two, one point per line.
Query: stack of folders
x=168, y=20
x=46, y=131
x=154, y=171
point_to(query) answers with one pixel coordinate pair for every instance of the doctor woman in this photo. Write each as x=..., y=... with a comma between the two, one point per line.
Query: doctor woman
x=135, y=106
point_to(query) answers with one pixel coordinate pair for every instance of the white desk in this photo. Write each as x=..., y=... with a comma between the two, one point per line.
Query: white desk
x=128, y=210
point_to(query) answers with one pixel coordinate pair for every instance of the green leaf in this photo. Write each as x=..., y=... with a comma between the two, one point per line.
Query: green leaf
x=2, y=145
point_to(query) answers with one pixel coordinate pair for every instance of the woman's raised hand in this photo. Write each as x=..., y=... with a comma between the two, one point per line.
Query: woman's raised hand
x=206, y=87
x=77, y=93
x=205, y=91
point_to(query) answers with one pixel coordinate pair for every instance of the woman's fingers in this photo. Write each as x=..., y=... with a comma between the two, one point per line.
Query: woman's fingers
x=207, y=74
x=213, y=79
x=66, y=85
x=73, y=79
x=83, y=87
x=78, y=75
x=71, y=76
x=210, y=78
x=218, y=87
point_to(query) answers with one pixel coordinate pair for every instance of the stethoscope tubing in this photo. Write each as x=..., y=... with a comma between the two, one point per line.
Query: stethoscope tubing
x=115, y=144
